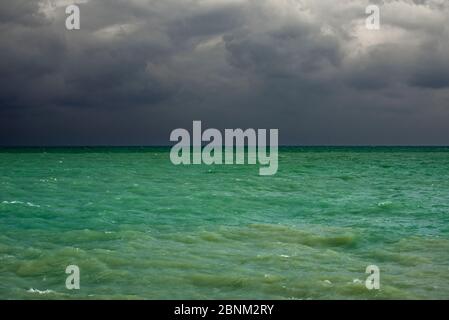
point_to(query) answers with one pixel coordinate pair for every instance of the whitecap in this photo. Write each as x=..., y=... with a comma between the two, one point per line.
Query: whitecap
x=384, y=204
x=39, y=291
x=33, y=205
x=12, y=202
x=30, y=204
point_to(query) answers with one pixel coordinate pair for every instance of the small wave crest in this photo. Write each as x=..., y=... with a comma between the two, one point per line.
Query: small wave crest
x=29, y=204
x=40, y=291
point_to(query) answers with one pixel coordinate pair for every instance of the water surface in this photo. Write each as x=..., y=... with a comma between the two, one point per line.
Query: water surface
x=141, y=228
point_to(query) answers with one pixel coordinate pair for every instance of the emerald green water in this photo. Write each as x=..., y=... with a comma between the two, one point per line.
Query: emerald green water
x=141, y=228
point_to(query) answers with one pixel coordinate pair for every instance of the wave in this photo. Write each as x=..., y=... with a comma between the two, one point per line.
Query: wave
x=39, y=291
x=29, y=204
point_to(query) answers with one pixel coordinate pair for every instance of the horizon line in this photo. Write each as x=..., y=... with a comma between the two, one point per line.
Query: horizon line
x=280, y=146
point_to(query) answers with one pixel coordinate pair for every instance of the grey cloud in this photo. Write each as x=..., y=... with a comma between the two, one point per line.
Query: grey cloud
x=21, y=12
x=138, y=69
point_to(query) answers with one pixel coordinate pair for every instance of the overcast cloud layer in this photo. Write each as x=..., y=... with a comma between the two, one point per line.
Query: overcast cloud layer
x=138, y=69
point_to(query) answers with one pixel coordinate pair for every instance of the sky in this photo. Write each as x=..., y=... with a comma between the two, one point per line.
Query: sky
x=138, y=69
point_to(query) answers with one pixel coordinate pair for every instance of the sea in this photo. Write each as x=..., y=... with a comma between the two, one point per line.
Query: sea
x=139, y=227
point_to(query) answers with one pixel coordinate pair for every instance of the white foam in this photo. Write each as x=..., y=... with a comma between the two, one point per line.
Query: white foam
x=39, y=291
x=33, y=205
x=30, y=204
x=12, y=202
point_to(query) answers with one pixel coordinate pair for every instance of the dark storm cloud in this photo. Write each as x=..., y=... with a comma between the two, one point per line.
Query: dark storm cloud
x=138, y=69
x=20, y=12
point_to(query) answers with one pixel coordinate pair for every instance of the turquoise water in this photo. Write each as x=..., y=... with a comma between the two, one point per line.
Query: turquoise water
x=139, y=227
